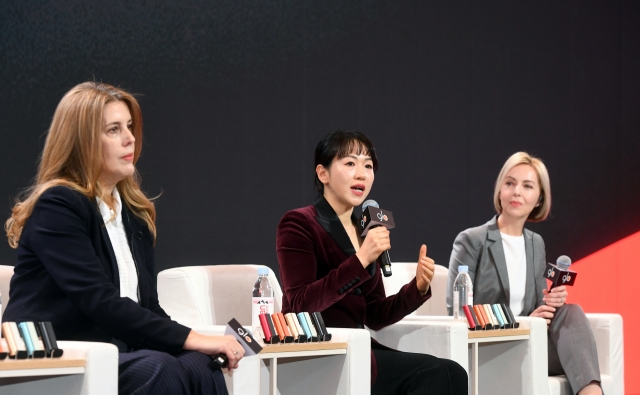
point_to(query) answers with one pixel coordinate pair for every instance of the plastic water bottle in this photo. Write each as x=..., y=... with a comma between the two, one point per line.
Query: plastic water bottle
x=462, y=292
x=262, y=301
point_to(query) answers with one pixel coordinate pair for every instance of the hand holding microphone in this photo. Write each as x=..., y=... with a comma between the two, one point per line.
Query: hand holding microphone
x=552, y=299
x=212, y=345
x=375, y=243
x=373, y=217
x=556, y=297
x=560, y=276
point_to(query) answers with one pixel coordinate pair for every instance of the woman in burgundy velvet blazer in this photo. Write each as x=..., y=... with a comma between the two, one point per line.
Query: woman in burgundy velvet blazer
x=325, y=266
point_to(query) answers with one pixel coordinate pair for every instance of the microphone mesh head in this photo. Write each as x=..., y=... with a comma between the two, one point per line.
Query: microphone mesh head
x=563, y=262
x=368, y=203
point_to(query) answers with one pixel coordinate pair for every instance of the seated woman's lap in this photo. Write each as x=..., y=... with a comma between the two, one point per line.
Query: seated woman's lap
x=156, y=372
x=572, y=347
x=410, y=373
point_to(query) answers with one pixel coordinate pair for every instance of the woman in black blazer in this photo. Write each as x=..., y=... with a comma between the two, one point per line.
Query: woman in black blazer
x=85, y=236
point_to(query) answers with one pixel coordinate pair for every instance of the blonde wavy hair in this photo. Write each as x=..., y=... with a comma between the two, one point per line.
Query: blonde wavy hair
x=72, y=155
x=541, y=212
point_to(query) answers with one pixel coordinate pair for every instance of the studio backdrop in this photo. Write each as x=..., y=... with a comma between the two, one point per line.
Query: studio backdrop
x=236, y=95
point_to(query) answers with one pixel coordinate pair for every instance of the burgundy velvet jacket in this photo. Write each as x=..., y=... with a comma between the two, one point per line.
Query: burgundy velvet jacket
x=320, y=272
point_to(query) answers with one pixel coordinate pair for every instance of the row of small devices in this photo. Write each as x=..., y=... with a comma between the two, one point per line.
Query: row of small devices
x=293, y=328
x=29, y=340
x=485, y=316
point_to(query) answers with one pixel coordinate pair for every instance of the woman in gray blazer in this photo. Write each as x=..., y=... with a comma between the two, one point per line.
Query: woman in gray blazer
x=506, y=264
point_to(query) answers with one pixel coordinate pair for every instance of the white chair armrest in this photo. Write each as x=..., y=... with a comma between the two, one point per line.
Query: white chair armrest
x=442, y=337
x=608, y=332
x=356, y=372
x=101, y=368
x=535, y=364
x=242, y=380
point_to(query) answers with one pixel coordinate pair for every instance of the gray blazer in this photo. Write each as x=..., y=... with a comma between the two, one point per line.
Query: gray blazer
x=481, y=249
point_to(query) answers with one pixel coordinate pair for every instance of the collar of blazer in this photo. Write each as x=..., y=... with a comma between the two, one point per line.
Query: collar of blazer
x=106, y=244
x=133, y=231
x=328, y=219
x=497, y=253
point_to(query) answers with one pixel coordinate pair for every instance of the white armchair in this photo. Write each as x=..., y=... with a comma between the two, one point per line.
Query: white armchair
x=427, y=330
x=205, y=298
x=100, y=372
x=405, y=272
x=6, y=272
x=607, y=330
x=211, y=295
x=529, y=375
x=444, y=338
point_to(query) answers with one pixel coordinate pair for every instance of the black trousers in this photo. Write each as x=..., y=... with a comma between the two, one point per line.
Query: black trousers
x=154, y=372
x=412, y=374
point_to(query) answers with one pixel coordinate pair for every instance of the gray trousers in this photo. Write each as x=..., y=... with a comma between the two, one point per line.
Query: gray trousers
x=572, y=347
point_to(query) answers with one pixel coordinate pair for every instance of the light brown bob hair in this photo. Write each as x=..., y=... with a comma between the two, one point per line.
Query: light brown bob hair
x=541, y=212
x=72, y=155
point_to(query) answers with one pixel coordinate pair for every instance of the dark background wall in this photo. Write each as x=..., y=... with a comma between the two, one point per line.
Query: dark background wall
x=236, y=94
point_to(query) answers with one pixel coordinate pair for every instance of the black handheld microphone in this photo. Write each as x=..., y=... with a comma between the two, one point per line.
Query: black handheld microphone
x=372, y=217
x=559, y=274
x=245, y=339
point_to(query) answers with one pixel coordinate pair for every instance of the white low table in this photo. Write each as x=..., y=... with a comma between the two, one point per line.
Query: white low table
x=41, y=367
x=14, y=371
x=489, y=336
x=295, y=350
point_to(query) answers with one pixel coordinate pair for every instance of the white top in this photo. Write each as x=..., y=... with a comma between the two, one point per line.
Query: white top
x=516, y=258
x=126, y=266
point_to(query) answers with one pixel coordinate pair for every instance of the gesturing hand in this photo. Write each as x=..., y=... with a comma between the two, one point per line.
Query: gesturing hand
x=375, y=243
x=424, y=271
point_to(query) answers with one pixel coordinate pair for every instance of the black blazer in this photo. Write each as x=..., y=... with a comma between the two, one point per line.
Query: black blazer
x=66, y=273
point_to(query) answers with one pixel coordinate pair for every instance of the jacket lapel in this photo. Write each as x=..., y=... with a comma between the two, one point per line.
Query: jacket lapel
x=133, y=231
x=108, y=247
x=328, y=219
x=497, y=253
x=530, y=291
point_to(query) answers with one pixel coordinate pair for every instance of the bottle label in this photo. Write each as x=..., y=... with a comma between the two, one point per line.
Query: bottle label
x=470, y=298
x=456, y=303
x=258, y=306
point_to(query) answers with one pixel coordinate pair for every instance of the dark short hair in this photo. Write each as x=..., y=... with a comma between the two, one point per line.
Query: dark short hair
x=337, y=145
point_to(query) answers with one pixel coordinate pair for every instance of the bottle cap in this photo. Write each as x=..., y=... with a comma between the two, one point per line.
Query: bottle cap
x=463, y=269
x=263, y=271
